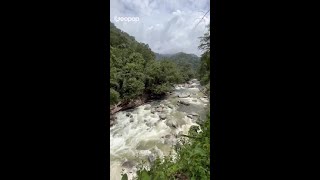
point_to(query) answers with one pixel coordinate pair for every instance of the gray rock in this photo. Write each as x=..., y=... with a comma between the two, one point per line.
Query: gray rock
x=167, y=136
x=153, y=110
x=162, y=116
x=194, y=114
x=131, y=116
x=128, y=164
x=128, y=114
x=194, y=128
x=194, y=100
x=159, y=109
x=183, y=95
x=131, y=120
x=147, y=107
x=184, y=103
x=170, y=106
x=151, y=158
x=190, y=116
x=167, y=141
x=171, y=123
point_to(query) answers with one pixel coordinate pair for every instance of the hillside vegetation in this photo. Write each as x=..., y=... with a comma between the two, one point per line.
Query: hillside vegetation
x=134, y=70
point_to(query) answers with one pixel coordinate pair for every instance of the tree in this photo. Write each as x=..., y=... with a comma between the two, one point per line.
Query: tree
x=114, y=96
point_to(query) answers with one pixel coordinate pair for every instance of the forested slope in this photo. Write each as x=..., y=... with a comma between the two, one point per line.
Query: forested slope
x=134, y=70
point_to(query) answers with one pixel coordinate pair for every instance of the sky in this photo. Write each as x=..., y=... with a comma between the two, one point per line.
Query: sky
x=167, y=26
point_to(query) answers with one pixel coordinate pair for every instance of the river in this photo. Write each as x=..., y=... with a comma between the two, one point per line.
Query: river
x=150, y=130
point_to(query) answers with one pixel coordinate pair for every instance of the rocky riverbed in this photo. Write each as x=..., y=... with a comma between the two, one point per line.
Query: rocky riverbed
x=151, y=130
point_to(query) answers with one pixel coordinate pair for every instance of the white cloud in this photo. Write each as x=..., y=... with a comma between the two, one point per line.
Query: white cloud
x=168, y=26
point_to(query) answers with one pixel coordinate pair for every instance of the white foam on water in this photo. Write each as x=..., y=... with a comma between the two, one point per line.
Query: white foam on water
x=146, y=135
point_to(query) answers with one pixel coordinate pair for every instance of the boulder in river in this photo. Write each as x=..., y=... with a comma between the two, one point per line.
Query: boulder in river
x=162, y=116
x=171, y=123
x=149, y=124
x=159, y=109
x=151, y=158
x=128, y=114
x=184, y=103
x=128, y=164
x=183, y=95
x=180, y=133
x=153, y=110
x=147, y=107
x=194, y=114
x=131, y=120
x=167, y=136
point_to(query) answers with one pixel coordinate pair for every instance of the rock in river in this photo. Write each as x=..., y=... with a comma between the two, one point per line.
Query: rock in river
x=148, y=107
x=128, y=164
x=163, y=116
x=171, y=123
x=184, y=103
x=194, y=114
x=183, y=95
x=151, y=158
x=190, y=116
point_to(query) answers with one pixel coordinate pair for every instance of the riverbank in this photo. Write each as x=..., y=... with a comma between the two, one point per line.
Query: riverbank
x=122, y=106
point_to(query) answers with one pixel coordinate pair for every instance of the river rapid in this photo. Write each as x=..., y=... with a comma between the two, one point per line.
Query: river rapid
x=151, y=130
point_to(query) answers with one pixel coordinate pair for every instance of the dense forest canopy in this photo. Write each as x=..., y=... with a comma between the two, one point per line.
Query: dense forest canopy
x=134, y=70
x=182, y=59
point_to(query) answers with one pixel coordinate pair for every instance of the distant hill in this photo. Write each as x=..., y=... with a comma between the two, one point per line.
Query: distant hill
x=179, y=54
x=181, y=58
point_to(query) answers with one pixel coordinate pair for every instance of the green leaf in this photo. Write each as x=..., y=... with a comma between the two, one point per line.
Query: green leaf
x=124, y=177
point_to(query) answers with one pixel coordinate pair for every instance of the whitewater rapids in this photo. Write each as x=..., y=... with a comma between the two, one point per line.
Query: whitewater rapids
x=139, y=135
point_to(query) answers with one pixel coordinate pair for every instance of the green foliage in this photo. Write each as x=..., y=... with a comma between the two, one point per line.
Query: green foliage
x=134, y=70
x=132, y=88
x=187, y=64
x=205, y=41
x=204, y=69
x=124, y=177
x=114, y=96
